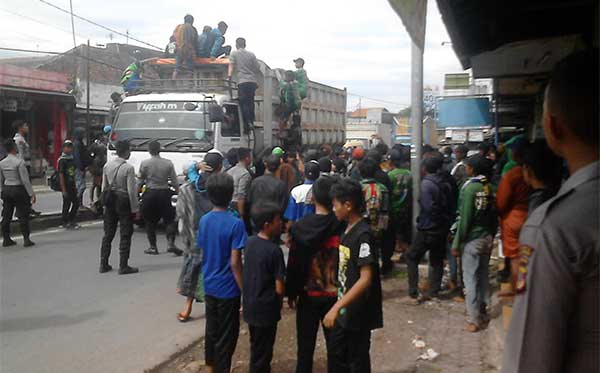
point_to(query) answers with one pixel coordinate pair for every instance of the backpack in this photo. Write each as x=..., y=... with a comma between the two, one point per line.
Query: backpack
x=54, y=182
x=377, y=206
x=401, y=197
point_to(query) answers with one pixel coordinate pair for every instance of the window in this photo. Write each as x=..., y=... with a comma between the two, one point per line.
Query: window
x=231, y=123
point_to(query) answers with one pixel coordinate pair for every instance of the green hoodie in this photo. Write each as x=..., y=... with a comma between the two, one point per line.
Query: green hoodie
x=476, y=213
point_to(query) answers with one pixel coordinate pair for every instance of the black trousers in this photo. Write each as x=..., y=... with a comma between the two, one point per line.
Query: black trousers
x=349, y=350
x=434, y=241
x=156, y=205
x=70, y=205
x=246, y=92
x=221, y=332
x=262, y=339
x=15, y=198
x=310, y=313
x=387, y=248
x=117, y=214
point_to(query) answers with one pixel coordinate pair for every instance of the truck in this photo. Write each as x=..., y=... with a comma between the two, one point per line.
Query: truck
x=191, y=116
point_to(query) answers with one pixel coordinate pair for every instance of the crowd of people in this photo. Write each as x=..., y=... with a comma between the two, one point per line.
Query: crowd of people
x=345, y=213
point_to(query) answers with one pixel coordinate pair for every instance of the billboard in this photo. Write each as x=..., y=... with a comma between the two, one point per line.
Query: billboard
x=464, y=112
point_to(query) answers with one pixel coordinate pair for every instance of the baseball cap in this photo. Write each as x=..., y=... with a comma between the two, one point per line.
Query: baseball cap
x=358, y=153
x=214, y=160
x=278, y=151
x=312, y=170
x=299, y=59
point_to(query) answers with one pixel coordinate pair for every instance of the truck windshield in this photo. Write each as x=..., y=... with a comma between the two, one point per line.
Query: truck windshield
x=168, y=122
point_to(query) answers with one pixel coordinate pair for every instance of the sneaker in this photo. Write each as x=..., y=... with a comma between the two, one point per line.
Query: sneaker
x=411, y=301
x=73, y=227
x=151, y=251
x=28, y=243
x=8, y=242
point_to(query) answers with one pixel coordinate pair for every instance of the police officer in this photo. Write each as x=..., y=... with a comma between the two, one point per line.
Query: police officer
x=555, y=325
x=155, y=174
x=118, y=182
x=23, y=150
x=17, y=193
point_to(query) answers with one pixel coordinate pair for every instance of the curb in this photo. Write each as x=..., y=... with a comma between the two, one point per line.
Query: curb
x=174, y=356
x=51, y=221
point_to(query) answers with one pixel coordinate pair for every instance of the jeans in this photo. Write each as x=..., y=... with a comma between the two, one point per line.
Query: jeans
x=310, y=313
x=70, y=205
x=114, y=215
x=221, y=332
x=80, y=182
x=246, y=92
x=226, y=50
x=452, y=264
x=349, y=350
x=188, y=62
x=476, y=277
x=262, y=339
x=434, y=241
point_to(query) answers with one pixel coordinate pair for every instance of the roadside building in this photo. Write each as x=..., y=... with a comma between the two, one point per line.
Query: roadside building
x=40, y=98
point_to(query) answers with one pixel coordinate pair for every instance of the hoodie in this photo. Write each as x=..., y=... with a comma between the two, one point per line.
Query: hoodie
x=313, y=258
x=434, y=202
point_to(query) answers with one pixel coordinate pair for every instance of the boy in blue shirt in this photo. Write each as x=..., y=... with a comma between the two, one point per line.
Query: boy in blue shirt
x=221, y=237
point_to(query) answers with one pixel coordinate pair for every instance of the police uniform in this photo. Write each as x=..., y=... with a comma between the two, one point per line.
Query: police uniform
x=119, y=176
x=555, y=323
x=155, y=174
x=16, y=191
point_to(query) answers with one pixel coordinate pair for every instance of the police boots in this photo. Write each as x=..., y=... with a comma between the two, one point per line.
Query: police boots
x=124, y=268
x=6, y=235
x=171, y=247
x=25, y=230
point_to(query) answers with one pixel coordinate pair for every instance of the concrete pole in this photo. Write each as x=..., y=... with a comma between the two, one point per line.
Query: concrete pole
x=416, y=102
x=87, y=89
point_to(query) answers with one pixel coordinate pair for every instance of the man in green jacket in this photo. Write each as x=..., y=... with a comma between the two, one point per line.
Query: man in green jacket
x=476, y=226
x=301, y=77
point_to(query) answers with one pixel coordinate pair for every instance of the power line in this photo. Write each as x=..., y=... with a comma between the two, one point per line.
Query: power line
x=61, y=54
x=40, y=22
x=377, y=100
x=99, y=25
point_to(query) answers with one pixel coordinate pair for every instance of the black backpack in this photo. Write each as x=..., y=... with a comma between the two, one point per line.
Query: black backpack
x=54, y=182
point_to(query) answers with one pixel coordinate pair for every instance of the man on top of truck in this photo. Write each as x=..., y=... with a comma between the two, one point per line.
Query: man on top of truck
x=186, y=39
x=301, y=77
x=216, y=39
x=246, y=68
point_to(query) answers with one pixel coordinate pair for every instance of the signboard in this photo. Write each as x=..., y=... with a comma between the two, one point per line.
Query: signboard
x=448, y=134
x=10, y=104
x=464, y=112
x=459, y=135
x=475, y=136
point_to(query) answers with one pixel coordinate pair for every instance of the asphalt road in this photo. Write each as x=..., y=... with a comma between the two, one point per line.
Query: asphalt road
x=58, y=314
x=50, y=202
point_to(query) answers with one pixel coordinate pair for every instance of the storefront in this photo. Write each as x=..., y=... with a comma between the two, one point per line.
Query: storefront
x=40, y=99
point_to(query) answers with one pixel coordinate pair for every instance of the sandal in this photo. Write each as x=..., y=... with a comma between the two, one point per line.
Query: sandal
x=183, y=318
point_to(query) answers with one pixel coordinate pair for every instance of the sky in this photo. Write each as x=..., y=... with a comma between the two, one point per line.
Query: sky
x=360, y=45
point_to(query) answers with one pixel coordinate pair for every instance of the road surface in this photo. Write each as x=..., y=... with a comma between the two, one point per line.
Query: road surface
x=58, y=314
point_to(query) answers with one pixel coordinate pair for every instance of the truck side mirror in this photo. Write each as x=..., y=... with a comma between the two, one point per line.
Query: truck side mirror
x=215, y=113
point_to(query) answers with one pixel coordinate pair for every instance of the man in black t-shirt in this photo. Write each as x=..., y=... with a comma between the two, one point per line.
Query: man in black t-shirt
x=263, y=289
x=67, y=170
x=358, y=309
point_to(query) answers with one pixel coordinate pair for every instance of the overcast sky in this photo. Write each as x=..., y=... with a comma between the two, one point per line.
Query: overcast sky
x=361, y=45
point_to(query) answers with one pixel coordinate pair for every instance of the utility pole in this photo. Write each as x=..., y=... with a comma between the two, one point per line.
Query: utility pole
x=416, y=98
x=127, y=39
x=87, y=90
x=73, y=24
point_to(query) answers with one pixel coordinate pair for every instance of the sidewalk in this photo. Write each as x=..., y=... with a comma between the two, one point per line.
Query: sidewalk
x=441, y=325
